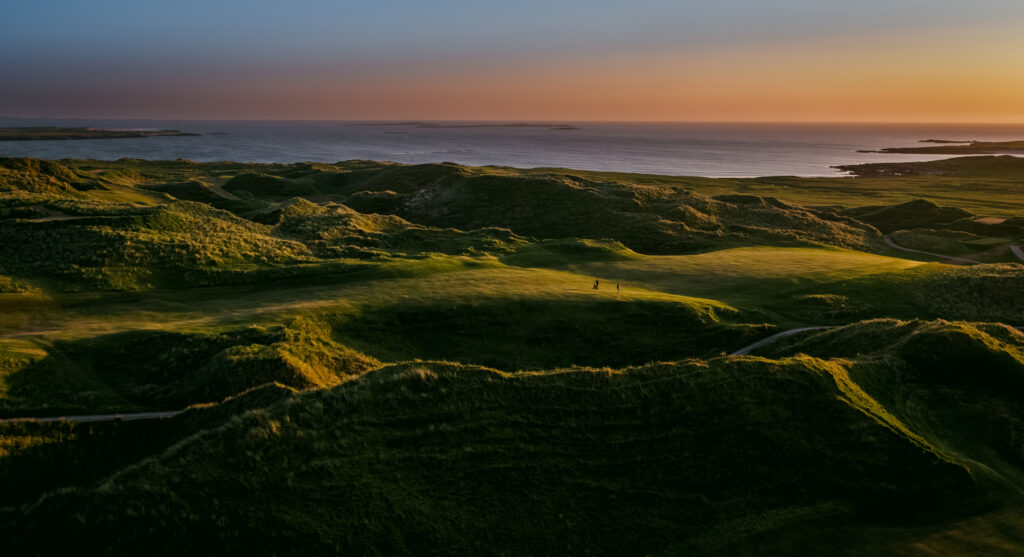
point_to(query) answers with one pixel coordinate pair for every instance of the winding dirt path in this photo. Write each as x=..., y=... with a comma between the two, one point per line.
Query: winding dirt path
x=1018, y=252
x=58, y=217
x=748, y=349
x=956, y=260
x=98, y=417
x=765, y=341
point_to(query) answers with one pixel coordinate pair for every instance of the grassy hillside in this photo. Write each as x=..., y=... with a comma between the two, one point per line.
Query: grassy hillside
x=180, y=243
x=425, y=457
x=987, y=186
x=912, y=214
x=157, y=370
x=407, y=359
x=647, y=219
x=962, y=381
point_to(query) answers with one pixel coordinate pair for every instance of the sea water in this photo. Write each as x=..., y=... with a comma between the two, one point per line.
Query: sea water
x=687, y=149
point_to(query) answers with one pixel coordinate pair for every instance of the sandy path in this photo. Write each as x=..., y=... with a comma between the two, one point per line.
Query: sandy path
x=956, y=260
x=775, y=337
x=98, y=417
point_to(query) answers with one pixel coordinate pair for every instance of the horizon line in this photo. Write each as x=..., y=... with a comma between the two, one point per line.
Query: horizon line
x=524, y=121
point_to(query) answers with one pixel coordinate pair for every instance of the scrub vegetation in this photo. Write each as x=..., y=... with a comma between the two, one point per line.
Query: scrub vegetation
x=377, y=358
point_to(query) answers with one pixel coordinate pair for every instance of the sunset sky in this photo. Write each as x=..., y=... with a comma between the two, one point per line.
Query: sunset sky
x=566, y=60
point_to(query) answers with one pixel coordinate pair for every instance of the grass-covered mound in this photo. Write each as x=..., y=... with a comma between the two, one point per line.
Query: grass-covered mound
x=36, y=457
x=959, y=385
x=557, y=253
x=919, y=213
x=888, y=336
x=956, y=243
x=173, y=245
x=163, y=369
x=978, y=293
x=365, y=176
x=190, y=190
x=516, y=333
x=157, y=370
x=647, y=219
x=697, y=457
x=266, y=186
x=27, y=183
x=334, y=230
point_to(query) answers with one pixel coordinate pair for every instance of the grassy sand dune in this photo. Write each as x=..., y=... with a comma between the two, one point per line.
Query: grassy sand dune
x=406, y=359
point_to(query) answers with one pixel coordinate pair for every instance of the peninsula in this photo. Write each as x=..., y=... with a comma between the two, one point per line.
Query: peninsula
x=49, y=133
x=950, y=147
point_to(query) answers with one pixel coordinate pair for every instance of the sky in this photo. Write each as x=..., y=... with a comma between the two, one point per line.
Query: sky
x=523, y=60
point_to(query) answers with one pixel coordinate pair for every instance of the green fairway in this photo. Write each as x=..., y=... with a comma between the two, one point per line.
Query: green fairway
x=747, y=273
x=753, y=280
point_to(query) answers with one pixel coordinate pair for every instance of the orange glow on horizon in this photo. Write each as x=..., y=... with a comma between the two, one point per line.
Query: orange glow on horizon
x=971, y=75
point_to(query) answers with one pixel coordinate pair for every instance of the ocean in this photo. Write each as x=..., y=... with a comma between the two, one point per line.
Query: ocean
x=684, y=149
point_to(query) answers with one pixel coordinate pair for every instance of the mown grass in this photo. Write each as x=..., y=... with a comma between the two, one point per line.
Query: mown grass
x=746, y=272
x=453, y=313
x=405, y=302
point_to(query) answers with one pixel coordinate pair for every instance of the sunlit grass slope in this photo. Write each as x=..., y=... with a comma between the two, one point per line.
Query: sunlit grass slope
x=958, y=382
x=425, y=457
x=409, y=359
x=157, y=370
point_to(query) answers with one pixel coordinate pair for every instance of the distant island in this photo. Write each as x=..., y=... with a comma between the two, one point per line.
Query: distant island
x=55, y=133
x=950, y=147
x=434, y=125
x=946, y=141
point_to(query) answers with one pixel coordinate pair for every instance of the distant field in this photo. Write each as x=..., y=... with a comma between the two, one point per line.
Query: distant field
x=988, y=186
